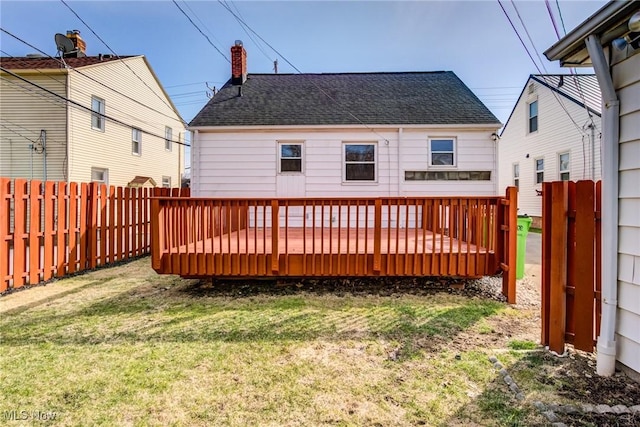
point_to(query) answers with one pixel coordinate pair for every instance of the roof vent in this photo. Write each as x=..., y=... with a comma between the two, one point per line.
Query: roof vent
x=34, y=55
x=531, y=89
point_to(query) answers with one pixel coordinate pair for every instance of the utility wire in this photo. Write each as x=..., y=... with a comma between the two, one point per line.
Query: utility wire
x=553, y=21
x=18, y=133
x=324, y=92
x=529, y=36
x=561, y=18
x=78, y=105
x=247, y=32
x=201, y=32
x=538, y=68
x=117, y=56
x=88, y=76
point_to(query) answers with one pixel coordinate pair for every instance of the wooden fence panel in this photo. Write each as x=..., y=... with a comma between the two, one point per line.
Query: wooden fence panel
x=51, y=229
x=571, y=254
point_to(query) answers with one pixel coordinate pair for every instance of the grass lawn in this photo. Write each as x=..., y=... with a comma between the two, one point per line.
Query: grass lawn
x=123, y=346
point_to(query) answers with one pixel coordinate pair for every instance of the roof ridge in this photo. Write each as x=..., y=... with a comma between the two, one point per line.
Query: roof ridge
x=352, y=73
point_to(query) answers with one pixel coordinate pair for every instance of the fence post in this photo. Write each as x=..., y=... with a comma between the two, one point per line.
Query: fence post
x=157, y=224
x=584, y=266
x=275, y=231
x=5, y=218
x=546, y=259
x=34, y=231
x=377, y=235
x=558, y=266
x=47, y=264
x=92, y=223
x=510, y=241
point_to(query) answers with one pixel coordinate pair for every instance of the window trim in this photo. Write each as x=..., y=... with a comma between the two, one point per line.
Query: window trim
x=375, y=163
x=302, y=152
x=536, y=171
x=137, y=131
x=529, y=116
x=105, y=176
x=99, y=115
x=515, y=172
x=563, y=171
x=454, y=152
x=168, y=138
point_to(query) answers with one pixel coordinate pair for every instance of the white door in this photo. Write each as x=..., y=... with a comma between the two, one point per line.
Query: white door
x=291, y=180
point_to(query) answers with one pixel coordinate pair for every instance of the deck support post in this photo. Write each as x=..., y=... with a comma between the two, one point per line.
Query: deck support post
x=511, y=235
x=377, y=235
x=275, y=233
x=157, y=224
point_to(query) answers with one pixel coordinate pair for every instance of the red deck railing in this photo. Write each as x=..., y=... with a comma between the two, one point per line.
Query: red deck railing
x=308, y=237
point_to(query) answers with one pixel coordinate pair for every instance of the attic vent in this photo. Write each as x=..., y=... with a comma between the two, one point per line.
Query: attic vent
x=532, y=89
x=34, y=55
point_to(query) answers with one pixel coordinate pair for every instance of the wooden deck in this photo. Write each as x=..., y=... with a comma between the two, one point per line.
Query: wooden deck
x=466, y=237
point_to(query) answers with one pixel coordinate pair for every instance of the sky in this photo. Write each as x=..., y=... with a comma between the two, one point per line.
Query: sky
x=474, y=39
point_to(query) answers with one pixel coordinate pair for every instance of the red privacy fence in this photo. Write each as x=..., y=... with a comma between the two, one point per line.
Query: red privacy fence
x=51, y=229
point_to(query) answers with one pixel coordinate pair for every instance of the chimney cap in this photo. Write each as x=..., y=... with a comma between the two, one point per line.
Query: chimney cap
x=238, y=42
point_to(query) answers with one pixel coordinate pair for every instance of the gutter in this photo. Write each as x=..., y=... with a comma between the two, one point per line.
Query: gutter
x=606, y=357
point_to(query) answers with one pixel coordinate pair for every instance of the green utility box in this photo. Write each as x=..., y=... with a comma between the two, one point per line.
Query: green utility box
x=524, y=222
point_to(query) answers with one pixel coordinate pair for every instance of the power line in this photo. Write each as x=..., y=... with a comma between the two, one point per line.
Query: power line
x=88, y=76
x=78, y=105
x=201, y=32
x=553, y=21
x=18, y=133
x=324, y=92
x=529, y=36
x=117, y=56
x=247, y=32
x=561, y=18
x=538, y=68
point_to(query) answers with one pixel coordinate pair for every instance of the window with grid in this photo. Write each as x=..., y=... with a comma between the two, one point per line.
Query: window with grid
x=539, y=171
x=360, y=162
x=97, y=113
x=136, y=141
x=168, y=137
x=442, y=152
x=290, y=158
x=563, y=161
x=533, y=116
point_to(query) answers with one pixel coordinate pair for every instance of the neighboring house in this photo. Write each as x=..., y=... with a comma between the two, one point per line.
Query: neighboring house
x=343, y=135
x=553, y=133
x=610, y=42
x=118, y=122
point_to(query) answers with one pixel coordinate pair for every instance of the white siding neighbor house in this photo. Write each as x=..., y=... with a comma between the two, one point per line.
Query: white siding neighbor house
x=553, y=133
x=88, y=118
x=609, y=41
x=343, y=135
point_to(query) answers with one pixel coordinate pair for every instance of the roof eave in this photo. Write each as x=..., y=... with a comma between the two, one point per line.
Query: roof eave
x=480, y=126
x=571, y=49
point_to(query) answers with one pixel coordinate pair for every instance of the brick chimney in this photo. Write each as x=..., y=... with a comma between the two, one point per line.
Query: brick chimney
x=238, y=64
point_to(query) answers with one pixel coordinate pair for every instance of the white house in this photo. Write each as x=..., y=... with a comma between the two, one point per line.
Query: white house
x=610, y=42
x=343, y=135
x=88, y=118
x=553, y=133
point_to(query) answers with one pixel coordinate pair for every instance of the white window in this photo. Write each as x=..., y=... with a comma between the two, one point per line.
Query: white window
x=166, y=181
x=539, y=171
x=442, y=152
x=136, y=141
x=100, y=175
x=533, y=117
x=359, y=162
x=97, y=114
x=168, y=137
x=290, y=158
x=516, y=175
x=563, y=161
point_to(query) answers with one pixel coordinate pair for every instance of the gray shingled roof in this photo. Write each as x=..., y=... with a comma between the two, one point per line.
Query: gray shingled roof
x=410, y=98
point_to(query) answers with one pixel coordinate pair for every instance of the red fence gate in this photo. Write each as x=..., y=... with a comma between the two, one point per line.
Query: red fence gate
x=571, y=254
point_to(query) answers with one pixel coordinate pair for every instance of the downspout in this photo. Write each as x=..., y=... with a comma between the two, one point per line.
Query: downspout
x=67, y=173
x=606, y=358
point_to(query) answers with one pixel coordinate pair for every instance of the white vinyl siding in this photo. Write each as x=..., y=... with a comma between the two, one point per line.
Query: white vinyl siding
x=24, y=112
x=557, y=135
x=245, y=164
x=113, y=149
x=626, y=78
